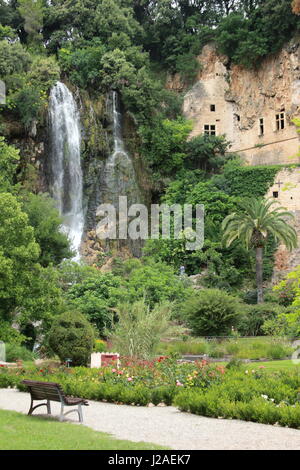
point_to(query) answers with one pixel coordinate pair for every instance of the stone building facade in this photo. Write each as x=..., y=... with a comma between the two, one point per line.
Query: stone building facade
x=253, y=108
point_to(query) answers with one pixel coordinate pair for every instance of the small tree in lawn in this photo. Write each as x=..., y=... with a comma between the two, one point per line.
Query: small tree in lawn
x=256, y=221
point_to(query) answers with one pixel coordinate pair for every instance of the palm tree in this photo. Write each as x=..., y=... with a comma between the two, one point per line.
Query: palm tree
x=253, y=224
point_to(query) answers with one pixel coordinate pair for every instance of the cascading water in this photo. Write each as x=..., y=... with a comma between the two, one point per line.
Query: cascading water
x=66, y=182
x=119, y=177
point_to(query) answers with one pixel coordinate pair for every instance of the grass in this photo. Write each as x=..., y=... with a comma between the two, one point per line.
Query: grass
x=240, y=348
x=284, y=365
x=274, y=365
x=20, y=432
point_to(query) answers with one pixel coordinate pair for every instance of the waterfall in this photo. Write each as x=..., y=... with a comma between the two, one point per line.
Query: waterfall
x=119, y=178
x=65, y=167
x=117, y=129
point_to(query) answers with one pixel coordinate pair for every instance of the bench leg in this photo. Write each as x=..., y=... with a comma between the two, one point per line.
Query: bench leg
x=80, y=413
x=61, y=417
x=32, y=408
x=48, y=407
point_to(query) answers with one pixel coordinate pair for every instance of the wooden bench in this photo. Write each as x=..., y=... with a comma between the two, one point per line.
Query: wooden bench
x=51, y=391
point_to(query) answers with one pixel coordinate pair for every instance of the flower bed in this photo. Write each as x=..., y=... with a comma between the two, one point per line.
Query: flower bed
x=206, y=389
x=138, y=382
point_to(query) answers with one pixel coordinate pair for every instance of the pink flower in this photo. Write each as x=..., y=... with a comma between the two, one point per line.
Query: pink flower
x=130, y=379
x=120, y=372
x=179, y=384
x=114, y=370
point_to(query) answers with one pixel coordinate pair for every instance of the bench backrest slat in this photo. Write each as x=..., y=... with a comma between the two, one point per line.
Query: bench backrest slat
x=44, y=390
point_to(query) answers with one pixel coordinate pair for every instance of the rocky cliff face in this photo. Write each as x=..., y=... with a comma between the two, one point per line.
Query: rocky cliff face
x=253, y=108
x=112, y=168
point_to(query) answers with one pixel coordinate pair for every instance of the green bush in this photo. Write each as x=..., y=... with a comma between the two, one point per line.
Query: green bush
x=139, y=329
x=13, y=58
x=278, y=351
x=72, y=337
x=211, y=312
x=217, y=352
x=96, y=297
x=258, y=397
x=8, y=334
x=100, y=346
x=16, y=352
x=253, y=317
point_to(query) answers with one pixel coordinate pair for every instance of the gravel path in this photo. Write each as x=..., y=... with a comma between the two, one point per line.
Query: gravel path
x=169, y=427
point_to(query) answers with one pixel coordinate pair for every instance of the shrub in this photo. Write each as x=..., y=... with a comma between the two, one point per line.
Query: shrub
x=217, y=352
x=8, y=334
x=100, y=346
x=15, y=352
x=264, y=398
x=13, y=58
x=253, y=317
x=71, y=336
x=96, y=298
x=139, y=329
x=211, y=312
x=278, y=351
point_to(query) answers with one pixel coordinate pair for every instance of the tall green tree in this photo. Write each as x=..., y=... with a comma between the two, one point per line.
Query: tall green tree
x=9, y=159
x=256, y=221
x=32, y=13
x=18, y=253
x=46, y=222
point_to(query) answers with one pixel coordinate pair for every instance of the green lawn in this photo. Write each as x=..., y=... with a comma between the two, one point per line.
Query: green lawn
x=274, y=365
x=20, y=432
x=270, y=365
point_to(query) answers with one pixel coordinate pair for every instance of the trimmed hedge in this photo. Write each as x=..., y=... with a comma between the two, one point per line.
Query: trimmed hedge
x=268, y=399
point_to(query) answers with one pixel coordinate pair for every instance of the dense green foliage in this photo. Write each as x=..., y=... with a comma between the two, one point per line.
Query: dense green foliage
x=221, y=195
x=72, y=337
x=131, y=47
x=96, y=297
x=44, y=218
x=211, y=312
x=247, y=39
x=139, y=329
x=253, y=224
x=30, y=243
x=9, y=158
x=253, y=317
x=252, y=396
